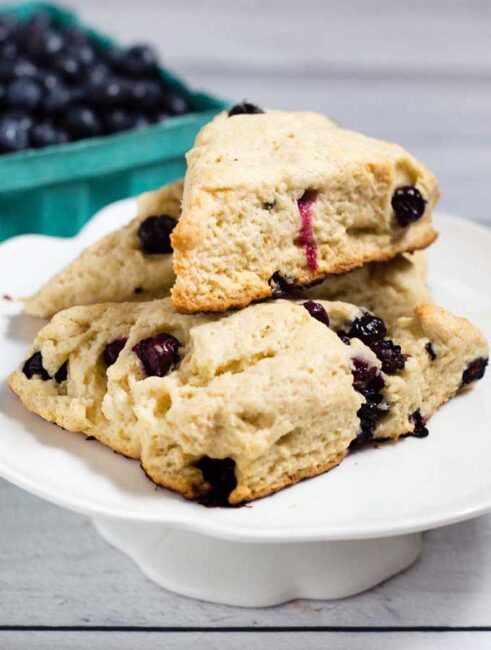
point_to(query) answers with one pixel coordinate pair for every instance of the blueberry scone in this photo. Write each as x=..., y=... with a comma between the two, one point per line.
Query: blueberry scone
x=280, y=199
x=132, y=263
x=230, y=408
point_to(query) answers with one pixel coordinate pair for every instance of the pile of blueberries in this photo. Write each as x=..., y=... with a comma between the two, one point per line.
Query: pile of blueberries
x=59, y=84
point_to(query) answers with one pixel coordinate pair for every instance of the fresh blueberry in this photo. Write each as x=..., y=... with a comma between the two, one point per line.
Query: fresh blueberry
x=62, y=373
x=245, y=108
x=70, y=67
x=97, y=74
x=45, y=46
x=14, y=133
x=145, y=95
x=408, y=205
x=159, y=354
x=175, y=104
x=430, y=350
x=33, y=367
x=82, y=122
x=317, y=311
x=110, y=92
x=113, y=350
x=57, y=99
x=117, y=120
x=25, y=68
x=154, y=234
x=24, y=94
x=138, y=60
x=219, y=473
x=474, y=371
x=46, y=134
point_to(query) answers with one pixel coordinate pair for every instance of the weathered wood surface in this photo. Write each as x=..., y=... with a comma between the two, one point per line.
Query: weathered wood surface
x=418, y=73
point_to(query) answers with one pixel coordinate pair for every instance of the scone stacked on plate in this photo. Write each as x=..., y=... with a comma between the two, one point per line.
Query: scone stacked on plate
x=227, y=406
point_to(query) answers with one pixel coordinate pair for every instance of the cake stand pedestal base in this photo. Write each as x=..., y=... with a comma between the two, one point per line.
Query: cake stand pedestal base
x=258, y=574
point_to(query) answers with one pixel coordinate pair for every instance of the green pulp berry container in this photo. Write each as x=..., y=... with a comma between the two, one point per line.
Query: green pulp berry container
x=56, y=190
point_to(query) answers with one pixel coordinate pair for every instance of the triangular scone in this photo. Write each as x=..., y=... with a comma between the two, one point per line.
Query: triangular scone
x=93, y=278
x=229, y=408
x=278, y=199
x=117, y=268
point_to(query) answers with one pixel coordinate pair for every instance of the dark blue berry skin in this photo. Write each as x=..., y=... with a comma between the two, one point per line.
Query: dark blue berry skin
x=46, y=134
x=174, y=104
x=474, y=371
x=367, y=328
x=138, y=61
x=420, y=430
x=430, y=350
x=408, y=205
x=146, y=95
x=33, y=367
x=56, y=100
x=14, y=133
x=24, y=94
x=25, y=68
x=219, y=473
x=118, y=120
x=158, y=354
x=69, y=67
x=279, y=285
x=389, y=354
x=82, y=122
x=245, y=108
x=154, y=234
x=113, y=350
x=317, y=311
x=110, y=92
x=62, y=373
x=368, y=381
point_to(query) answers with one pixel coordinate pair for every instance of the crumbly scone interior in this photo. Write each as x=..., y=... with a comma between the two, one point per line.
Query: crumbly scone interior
x=114, y=269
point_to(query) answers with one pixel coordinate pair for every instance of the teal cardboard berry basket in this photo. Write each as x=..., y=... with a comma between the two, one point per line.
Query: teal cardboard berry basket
x=55, y=190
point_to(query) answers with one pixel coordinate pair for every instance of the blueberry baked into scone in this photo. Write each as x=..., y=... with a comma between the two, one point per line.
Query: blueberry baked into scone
x=131, y=263
x=279, y=199
x=229, y=408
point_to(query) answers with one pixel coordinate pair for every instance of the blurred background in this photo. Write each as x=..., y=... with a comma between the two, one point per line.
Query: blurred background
x=418, y=73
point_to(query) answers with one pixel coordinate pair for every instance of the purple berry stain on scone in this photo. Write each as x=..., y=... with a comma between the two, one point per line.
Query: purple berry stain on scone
x=474, y=371
x=33, y=367
x=372, y=331
x=368, y=381
x=113, y=350
x=408, y=205
x=245, y=108
x=420, y=430
x=306, y=236
x=159, y=354
x=219, y=473
x=317, y=311
x=154, y=234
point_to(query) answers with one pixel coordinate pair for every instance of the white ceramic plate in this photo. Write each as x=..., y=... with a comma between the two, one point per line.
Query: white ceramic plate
x=399, y=488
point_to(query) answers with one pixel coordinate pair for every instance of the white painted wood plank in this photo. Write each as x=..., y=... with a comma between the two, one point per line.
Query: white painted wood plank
x=239, y=641
x=445, y=37
x=55, y=570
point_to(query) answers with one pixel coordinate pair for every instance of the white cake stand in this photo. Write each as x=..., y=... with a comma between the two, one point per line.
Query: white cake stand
x=329, y=537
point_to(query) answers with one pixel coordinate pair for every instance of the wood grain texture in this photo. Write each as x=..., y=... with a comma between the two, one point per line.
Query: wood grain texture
x=55, y=570
x=251, y=641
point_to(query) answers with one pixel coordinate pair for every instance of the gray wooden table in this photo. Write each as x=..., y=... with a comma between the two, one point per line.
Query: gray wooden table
x=418, y=73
